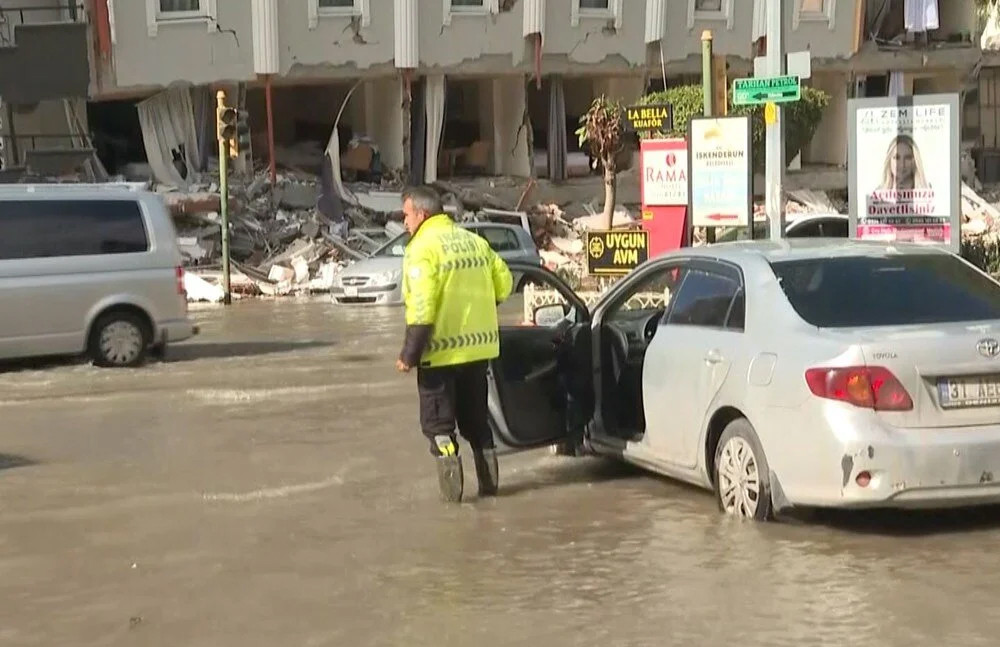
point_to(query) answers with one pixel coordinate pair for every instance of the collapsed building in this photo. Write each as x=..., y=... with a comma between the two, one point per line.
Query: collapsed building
x=350, y=99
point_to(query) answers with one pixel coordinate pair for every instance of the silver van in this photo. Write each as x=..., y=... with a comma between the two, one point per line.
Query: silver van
x=89, y=269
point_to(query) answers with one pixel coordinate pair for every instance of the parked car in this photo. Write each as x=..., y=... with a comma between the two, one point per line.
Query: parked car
x=377, y=280
x=824, y=225
x=809, y=372
x=89, y=269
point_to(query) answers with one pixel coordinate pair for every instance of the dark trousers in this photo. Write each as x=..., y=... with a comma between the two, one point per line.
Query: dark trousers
x=455, y=395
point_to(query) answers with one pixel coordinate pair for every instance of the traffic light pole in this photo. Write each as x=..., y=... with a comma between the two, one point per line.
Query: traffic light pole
x=227, y=297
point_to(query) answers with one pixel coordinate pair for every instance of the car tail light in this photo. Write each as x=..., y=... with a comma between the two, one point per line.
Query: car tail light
x=179, y=273
x=869, y=387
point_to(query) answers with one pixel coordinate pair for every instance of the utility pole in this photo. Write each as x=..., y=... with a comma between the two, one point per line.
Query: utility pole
x=707, y=88
x=706, y=70
x=774, y=158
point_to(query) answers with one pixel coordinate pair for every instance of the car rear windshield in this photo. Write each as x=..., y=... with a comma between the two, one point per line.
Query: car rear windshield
x=859, y=291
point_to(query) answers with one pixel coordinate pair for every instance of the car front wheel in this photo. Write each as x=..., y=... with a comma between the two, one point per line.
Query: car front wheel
x=742, y=483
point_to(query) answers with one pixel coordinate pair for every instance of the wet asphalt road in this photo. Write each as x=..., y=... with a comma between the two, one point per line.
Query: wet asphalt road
x=267, y=486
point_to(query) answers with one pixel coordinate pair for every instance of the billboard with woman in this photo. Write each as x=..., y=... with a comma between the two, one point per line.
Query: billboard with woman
x=903, y=169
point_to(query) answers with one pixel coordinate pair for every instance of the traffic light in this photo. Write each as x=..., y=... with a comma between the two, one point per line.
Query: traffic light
x=241, y=137
x=226, y=118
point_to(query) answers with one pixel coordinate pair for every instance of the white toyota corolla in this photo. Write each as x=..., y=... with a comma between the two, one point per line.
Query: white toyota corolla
x=819, y=373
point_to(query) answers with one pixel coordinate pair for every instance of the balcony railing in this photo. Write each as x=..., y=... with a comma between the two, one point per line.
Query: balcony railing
x=15, y=147
x=12, y=16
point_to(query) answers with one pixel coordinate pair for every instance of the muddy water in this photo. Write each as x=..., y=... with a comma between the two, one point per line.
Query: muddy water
x=267, y=486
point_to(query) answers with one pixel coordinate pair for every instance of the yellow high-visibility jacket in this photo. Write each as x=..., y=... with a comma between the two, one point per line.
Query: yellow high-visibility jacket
x=453, y=281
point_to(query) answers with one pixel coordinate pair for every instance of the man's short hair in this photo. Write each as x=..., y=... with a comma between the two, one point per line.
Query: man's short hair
x=424, y=199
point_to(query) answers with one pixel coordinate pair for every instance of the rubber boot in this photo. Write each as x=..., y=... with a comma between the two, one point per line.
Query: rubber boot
x=487, y=471
x=451, y=479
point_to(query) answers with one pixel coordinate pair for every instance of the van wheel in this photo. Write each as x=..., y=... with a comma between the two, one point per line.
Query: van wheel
x=119, y=340
x=742, y=477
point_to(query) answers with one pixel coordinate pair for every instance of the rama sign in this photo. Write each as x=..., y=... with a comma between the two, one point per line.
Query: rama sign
x=664, y=181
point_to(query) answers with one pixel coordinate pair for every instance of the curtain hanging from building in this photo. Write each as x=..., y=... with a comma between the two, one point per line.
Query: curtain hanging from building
x=169, y=135
x=759, y=25
x=557, y=129
x=656, y=20
x=921, y=15
x=203, y=108
x=434, y=91
x=330, y=201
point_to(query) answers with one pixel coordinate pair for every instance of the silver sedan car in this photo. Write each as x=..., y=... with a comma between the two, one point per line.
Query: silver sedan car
x=810, y=372
x=377, y=280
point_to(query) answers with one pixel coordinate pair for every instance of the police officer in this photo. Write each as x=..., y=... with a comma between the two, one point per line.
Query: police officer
x=452, y=284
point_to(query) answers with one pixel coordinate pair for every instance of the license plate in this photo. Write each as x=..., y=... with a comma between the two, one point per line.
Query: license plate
x=350, y=292
x=962, y=392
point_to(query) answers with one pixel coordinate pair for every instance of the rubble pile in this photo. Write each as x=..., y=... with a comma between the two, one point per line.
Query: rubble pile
x=280, y=243
x=283, y=240
x=980, y=216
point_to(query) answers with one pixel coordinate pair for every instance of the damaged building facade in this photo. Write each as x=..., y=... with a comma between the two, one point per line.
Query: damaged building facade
x=440, y=87
x=42, y=95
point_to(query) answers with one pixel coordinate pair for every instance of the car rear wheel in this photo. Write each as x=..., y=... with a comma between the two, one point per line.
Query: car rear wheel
x=119, y=340
x=742, y=483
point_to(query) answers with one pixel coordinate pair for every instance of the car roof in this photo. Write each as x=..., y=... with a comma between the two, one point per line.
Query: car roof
x=790, y=249
x=76, y=189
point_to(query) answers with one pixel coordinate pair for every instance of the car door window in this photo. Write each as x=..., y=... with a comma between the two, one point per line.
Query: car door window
x=835, y=229
x=812, y=229
x=500, y=239
x=737, y=312
x=705, y=299
x=653, y=292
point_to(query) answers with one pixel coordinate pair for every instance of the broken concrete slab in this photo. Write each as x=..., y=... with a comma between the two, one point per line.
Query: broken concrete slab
x=280, y=274
x=381, y=201
x=198, y=289
x=180, y=204
x=294, y=195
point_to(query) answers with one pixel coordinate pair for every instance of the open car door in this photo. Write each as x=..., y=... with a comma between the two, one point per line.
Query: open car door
x=535, y=393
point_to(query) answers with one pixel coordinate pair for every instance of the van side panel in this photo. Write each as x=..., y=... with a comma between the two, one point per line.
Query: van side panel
x=47, y=304
x=50, y=314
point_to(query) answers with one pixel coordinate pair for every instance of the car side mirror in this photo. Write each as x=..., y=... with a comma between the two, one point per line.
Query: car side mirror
x=549, y=315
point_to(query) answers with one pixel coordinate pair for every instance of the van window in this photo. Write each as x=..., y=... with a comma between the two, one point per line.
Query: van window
x=47, y=228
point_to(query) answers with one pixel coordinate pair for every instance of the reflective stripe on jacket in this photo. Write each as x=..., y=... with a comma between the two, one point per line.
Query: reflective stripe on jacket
x=453, y=281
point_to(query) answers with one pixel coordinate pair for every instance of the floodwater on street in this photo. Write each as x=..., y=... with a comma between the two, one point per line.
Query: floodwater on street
x=267, y=485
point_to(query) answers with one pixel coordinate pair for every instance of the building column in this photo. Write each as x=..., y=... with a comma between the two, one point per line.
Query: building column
x=510, y=144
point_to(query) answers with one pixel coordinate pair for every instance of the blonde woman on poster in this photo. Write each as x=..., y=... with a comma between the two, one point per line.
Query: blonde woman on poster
x=903, y=169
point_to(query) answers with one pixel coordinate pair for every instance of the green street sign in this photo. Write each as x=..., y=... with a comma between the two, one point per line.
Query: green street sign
x=778, y=89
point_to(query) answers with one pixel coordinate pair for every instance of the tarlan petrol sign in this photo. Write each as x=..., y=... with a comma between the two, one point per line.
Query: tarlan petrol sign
x=755, y=91
x=616, y=252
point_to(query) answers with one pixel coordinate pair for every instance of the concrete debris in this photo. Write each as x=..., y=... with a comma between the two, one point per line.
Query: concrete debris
x=980, y=216
x=278, y=235
x=198, y=289
x=621, y=218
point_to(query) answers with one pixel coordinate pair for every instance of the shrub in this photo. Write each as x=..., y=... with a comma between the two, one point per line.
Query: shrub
x=983, y=252
x=802, y=117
